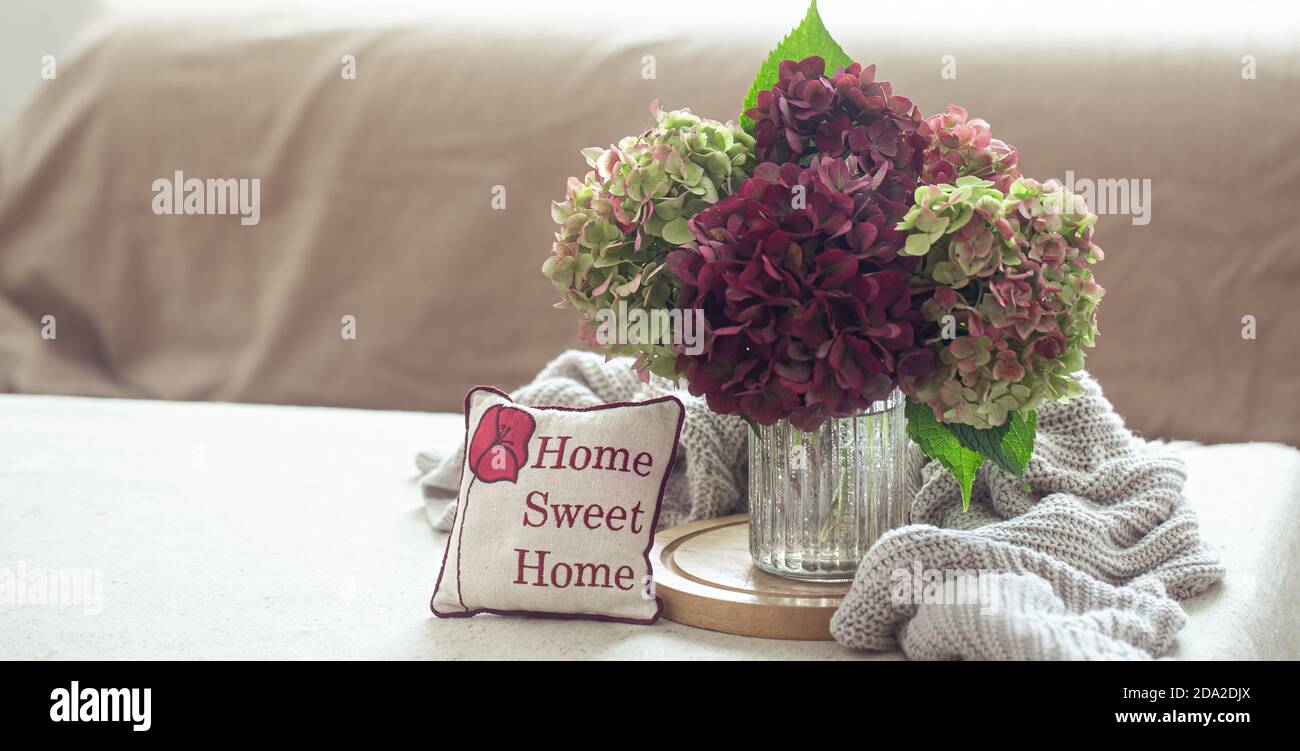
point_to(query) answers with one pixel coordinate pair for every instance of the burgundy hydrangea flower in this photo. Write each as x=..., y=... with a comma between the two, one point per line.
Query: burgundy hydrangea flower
x=848, y=114
x=805, y=297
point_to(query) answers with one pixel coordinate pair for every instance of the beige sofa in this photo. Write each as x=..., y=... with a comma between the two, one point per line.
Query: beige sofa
x=377, y=192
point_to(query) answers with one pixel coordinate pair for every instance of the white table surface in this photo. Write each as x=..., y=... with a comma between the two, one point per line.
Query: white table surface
x=239, y=531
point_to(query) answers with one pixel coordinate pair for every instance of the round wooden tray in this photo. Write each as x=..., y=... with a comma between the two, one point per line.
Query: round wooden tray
x=704, y=574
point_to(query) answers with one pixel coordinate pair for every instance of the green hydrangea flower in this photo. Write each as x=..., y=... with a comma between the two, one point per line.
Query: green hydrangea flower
x=619, y=222
x=1011, y=297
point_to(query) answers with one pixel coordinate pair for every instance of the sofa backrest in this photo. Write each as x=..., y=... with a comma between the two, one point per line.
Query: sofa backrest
x=377, y=192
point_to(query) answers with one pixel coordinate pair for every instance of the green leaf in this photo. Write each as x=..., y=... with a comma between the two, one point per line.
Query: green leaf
x=809, y=38
x=752, y=425
x=1009, y=445
x=938, y=442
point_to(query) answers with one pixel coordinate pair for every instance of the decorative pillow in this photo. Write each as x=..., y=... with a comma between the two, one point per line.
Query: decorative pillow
x=557, y=509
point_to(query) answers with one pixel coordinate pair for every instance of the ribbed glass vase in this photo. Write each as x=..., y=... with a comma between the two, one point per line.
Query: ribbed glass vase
x=818, y=500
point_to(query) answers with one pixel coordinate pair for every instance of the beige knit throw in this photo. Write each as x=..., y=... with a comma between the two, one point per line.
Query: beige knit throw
x=1089, y=565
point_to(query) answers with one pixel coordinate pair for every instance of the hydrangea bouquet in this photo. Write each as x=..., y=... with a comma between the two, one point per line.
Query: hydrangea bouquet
x=840, y=245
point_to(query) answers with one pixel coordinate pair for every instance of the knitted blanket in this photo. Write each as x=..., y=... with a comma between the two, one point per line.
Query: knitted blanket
x=1089, y=564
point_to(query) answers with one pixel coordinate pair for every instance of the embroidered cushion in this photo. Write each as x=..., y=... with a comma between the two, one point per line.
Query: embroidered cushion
x=557, y=509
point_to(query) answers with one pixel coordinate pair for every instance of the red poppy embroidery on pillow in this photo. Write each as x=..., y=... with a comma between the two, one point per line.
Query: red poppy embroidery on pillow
x=500, y=445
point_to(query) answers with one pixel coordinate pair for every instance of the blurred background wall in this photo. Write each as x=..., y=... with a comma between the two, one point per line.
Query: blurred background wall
x=377, y=191
x=33, y=29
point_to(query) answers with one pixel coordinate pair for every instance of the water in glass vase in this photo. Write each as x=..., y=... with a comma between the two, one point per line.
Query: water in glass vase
x=818, y=500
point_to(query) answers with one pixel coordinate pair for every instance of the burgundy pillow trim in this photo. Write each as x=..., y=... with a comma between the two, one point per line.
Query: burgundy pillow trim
x=650, y=542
